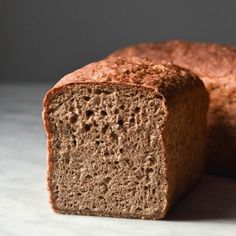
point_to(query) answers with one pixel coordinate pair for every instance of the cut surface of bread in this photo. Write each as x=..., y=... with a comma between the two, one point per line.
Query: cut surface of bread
x=125, y=138
x=216, y=65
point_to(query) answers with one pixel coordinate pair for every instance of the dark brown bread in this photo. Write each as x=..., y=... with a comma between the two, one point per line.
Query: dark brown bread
x=216, y=66
x=125, y=138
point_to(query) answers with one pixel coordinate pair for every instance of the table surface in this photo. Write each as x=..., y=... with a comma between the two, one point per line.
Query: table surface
x=208, y=209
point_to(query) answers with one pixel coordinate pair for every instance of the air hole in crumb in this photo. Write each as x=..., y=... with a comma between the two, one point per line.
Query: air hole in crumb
x=151, y=104
x=95, y=123
x=89, y=90
x=128, y=161
x=145, y=187
x=104, y=129
x=73, y=118
x=100, y=197
x=68, y=126
x=116, y=162
x=97, y=142
x=89, y=113
x=103, y=113
x=156, y=107
x=74, y=142
x=106, y=153
x=107, y=92
x=149, y=170
x=88, y=177
x=87, y=127
x=122, y=107
x=120, y=122
x=132, y=120
x=151, y=160
x=113, y=135
x=137, y=109
x=116, y=111
x=138, y=209
x=139, y=177
x=98, y=91
x=107, y=179
x=147, y=178
x=86, y=98
x=121, y=150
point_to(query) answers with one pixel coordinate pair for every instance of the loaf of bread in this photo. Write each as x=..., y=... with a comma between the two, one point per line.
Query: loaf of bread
x=125, y=138
x=216, y=66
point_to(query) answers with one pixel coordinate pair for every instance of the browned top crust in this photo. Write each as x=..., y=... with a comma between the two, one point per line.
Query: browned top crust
x=167, y=78
x=205, y=59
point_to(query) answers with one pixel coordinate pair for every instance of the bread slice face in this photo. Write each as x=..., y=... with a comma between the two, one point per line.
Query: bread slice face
x=124, y=139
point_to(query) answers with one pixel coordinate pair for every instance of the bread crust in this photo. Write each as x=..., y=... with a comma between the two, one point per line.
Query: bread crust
x=167, y=81
x=205, y=59
x=166, y=78
x=216, y=65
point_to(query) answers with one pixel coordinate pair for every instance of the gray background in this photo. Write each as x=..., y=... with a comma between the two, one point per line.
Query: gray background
x=43, y=40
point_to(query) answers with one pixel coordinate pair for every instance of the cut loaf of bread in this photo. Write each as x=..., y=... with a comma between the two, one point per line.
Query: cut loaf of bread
x=125, y=138
x=216, y=66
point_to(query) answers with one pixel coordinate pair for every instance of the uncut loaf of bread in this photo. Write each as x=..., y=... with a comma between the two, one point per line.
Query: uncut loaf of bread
x=125, y=138
x=216, y=66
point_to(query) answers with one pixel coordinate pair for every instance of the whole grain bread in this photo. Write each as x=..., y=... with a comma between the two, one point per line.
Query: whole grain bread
x=125, y=138
x=216, y=65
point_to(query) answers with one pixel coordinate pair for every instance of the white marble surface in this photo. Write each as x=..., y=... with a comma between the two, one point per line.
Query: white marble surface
x=209, y=209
